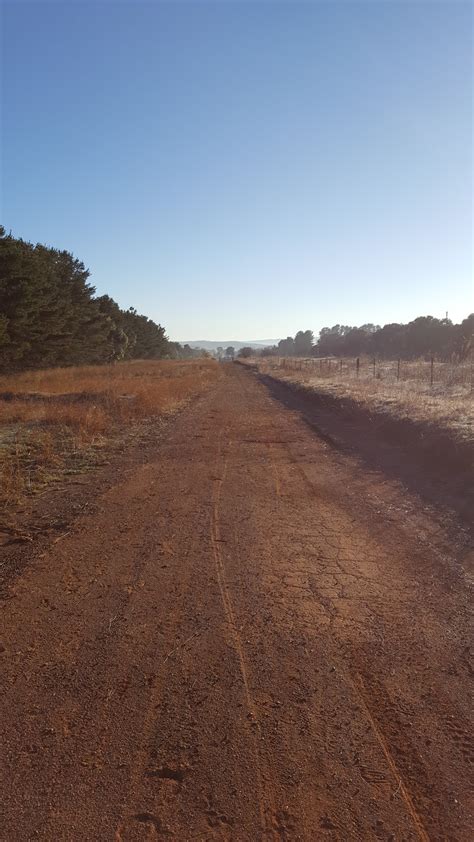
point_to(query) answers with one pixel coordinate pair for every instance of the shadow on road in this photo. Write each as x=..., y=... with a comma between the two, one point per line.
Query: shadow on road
x=422, y=457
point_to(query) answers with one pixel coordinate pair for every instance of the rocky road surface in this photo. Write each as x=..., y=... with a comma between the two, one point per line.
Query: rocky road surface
x=253, y=637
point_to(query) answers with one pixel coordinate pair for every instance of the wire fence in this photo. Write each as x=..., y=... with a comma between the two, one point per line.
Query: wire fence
x=427, y=373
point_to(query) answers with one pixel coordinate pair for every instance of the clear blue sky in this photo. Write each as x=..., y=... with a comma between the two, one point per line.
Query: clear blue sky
x=244, y=170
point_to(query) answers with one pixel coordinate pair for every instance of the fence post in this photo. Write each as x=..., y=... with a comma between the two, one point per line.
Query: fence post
x=374, y=365
x=320, y=366
x=357, y=366
x=431, y=371
x=340, y=366
x=398, y=370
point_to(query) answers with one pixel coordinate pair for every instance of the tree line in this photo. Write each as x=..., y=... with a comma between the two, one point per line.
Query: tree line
x=51, y=316
x=425, y=336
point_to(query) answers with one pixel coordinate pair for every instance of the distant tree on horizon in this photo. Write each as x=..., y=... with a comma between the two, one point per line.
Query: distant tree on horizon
x=424, y=336
x=286, y=347
x=245, y=352
x=303, y=343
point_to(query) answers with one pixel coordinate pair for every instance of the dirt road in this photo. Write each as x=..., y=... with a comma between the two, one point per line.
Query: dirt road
x=252, y=638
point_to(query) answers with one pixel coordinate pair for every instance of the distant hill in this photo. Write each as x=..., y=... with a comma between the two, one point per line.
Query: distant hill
x=224, y=343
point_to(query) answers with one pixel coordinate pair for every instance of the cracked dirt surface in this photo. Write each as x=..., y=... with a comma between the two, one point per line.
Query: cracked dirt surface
x=251, y=637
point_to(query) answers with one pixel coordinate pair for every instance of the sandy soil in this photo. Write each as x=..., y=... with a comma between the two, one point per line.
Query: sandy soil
x=250, y=636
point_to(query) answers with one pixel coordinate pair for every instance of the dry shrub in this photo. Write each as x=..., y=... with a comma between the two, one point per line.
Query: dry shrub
x=16, y=411
x=12, y=478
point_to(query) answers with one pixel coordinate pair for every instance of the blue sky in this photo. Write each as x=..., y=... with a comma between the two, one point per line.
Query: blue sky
x=249, y=169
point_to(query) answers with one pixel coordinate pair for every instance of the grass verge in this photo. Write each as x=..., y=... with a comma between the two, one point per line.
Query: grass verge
x=58, y=421
x=448, y=404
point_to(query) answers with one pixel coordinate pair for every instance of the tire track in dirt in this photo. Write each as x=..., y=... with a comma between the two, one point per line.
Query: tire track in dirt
x=418, y=789
x=135, y=813
x=356, y=681
x=276, y=477
x=361, y=691
x=265, y=793
x=400, y=785
x=132, y=813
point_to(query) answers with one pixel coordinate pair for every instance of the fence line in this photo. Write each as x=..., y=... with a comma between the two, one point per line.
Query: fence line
x=432, y=372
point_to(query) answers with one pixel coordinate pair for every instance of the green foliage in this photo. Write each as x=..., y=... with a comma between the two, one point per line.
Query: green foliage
x=423, y=337
x=304, y=343
x=49, y=314
x=300, y=346
x=286, y=347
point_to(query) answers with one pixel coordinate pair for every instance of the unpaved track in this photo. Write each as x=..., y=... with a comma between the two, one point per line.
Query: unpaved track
x=251, y=639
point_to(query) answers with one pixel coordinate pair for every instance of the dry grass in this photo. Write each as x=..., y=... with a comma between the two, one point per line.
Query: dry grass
x=56, y=418
x=404, y=393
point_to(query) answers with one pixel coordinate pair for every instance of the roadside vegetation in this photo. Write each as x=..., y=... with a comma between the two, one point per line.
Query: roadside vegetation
x=58, y=422
x=423, y=370
x=77, y=372
x=429, y=392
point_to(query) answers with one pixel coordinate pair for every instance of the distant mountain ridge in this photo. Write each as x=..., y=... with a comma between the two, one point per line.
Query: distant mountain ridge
x=209, y=345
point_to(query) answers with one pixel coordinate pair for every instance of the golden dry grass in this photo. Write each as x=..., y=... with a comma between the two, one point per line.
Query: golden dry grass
x=91, y=397
x=46, y=417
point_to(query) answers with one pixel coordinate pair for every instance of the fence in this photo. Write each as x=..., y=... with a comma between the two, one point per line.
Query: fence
x=431, y=373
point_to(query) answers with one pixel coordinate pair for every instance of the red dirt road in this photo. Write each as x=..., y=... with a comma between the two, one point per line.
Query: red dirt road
x=252, y=638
